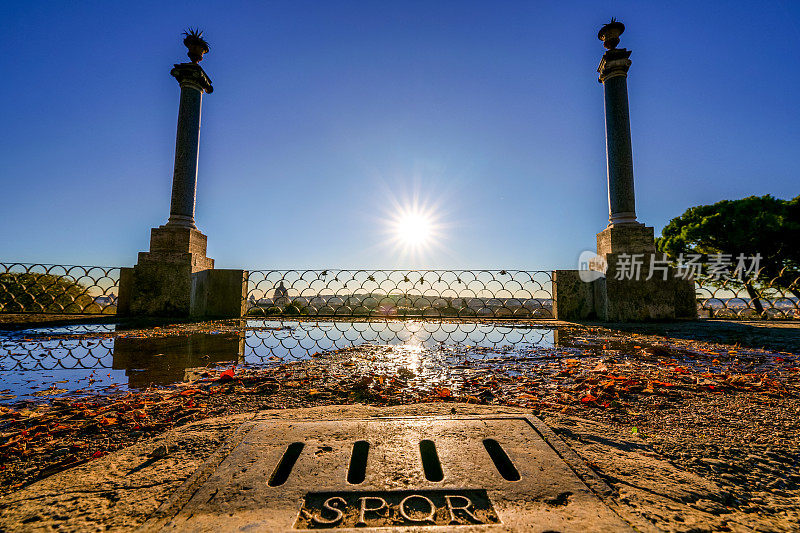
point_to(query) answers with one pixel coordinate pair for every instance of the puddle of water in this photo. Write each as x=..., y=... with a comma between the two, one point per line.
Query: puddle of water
x=89, y=359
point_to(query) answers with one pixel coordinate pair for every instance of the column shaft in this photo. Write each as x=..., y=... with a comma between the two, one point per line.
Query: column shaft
x=621, y=196
x=187, y=144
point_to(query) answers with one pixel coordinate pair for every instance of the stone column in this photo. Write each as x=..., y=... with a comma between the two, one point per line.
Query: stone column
x=623, y=234
x=176, y=277
x=619, y=295
x=194, y=82
x=613, y=71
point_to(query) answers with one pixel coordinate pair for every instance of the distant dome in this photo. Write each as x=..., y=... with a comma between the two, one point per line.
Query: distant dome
x=281, y=296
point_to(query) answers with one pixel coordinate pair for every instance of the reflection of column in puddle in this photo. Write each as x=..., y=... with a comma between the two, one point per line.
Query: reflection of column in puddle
x=164, y=360
x=563, y=337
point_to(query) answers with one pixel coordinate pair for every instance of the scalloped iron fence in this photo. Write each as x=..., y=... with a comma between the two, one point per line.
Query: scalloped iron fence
x=429, y=294
x=58, y=289
x=775, y=298
x=451, y=294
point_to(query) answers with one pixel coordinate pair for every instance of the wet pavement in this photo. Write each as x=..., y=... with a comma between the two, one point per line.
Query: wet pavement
x=76, y=360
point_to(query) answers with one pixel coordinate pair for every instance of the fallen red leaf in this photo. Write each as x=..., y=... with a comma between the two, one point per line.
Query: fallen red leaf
x=661, y=383
x=228, y=374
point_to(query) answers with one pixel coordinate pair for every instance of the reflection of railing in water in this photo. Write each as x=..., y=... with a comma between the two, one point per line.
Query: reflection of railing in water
x=300, y=340
x=56, y=354
x=460, y=294
x=58, y=289
x=163, y=359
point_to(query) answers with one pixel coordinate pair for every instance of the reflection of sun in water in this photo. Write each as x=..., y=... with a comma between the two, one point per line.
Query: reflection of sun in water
x=409, y=355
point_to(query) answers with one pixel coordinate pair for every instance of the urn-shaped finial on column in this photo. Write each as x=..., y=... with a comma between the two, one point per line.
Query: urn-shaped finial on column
x=610, y=33
x=196, y=44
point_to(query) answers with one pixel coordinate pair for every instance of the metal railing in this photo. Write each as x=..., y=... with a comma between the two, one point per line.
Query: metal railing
x=444, y=294
x=451, y=294
x=761, y=298
x=58, y=289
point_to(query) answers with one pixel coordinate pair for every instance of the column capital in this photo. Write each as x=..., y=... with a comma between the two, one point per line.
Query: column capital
x=192, y=75
x=615, y=62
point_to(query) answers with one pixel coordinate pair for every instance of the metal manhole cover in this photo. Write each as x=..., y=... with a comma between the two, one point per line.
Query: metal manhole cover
x=408, y=474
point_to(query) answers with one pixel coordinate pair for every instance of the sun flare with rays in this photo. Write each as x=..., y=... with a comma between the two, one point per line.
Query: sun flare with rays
x=414, y=230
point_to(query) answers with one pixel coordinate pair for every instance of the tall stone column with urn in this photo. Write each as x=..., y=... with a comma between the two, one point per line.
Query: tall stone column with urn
x=624, y=292
x=176, y=277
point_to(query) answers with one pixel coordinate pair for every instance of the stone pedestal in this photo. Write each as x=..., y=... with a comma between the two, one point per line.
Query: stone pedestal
x=176, y=279
x=623, y=293
x=662, y=297
x=161, y=282
x=619, y=298
x=623, y=300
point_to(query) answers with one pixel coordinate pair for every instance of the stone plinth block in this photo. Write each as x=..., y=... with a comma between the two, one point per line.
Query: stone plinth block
x=573, y=298
x=180, y=245
x=626, y=239
x=159, y=288
x=620, y=299
x=161, y=283
x=178, y=239
x=219, y=293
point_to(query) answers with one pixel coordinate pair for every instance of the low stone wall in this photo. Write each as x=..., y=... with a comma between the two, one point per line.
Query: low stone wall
x=622, y=300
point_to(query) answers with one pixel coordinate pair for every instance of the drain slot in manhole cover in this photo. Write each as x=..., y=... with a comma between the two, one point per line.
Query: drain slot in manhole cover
x=485, y=473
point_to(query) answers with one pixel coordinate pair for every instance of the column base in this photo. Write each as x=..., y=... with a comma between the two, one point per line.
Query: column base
x=627, y=300
x=180, y=221
x=632, y=297
x=176, y=279
x=623, y=219
x=627, y=239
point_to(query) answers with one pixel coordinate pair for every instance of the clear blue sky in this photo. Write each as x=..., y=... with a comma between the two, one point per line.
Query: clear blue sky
x=327, y=114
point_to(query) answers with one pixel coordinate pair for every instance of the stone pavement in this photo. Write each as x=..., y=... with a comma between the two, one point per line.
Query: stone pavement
x=194, y=476
x=392, y=472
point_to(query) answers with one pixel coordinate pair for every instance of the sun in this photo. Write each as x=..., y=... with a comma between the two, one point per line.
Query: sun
x=414, y=229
